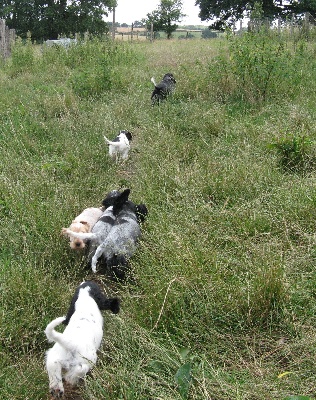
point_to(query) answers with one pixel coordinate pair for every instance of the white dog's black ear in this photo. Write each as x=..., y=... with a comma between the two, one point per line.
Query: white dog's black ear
x=103, y=302
x=112, y=304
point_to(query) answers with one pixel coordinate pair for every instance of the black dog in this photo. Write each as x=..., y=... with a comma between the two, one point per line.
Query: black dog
x=163, y=89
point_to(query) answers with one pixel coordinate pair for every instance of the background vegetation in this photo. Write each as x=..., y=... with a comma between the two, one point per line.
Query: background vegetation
x=47, y=19
x=221, y=299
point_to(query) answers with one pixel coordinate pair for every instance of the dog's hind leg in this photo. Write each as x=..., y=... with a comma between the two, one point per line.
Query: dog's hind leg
x=77, y=372
x=53, y=367
x=98, y=253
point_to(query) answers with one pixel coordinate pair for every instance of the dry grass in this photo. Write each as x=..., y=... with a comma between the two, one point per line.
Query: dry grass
x=222, y=288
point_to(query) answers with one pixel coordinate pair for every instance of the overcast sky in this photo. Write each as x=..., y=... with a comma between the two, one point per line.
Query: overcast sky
x=128, y=11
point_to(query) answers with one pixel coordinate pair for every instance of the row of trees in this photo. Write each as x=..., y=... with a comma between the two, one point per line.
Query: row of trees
x=47, y=19
x=225, y=13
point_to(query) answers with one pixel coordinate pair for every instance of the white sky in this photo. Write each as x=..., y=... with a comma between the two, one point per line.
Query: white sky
x=128, y=11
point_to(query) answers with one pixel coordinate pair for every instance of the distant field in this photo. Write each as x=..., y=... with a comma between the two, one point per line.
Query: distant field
x=140, y=34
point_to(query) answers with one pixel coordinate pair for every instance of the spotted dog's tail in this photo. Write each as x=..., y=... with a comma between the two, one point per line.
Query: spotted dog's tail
x=153, y=81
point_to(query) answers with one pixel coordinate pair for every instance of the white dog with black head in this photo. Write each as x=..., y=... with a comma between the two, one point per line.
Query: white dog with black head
x=120, y=146
x=75, y=350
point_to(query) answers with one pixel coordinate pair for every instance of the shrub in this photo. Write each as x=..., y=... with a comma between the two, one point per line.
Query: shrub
x=253, y=69
x=296, y=154
x=22, y=55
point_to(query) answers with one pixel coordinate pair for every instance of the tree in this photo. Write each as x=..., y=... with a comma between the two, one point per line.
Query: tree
x=163, y=18
x=47, y=19
x=225, y=13
x=138, y=24
x=303, y=6
x=208, y=34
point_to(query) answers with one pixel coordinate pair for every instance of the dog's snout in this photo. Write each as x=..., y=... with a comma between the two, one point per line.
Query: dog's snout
x=78, y=244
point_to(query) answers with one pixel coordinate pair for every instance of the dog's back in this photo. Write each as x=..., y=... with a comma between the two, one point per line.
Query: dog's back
x=75, y=350
x=123, y=237
x=120, y=244
x=105, y=223
x=101, y=230
x=90, y=216
x=163, y=89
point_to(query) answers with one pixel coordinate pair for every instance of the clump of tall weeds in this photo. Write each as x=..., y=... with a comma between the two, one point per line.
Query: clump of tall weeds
x=296, y=154
x=252, y=70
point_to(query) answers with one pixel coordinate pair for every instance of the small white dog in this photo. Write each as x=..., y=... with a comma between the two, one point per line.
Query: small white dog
x=82, y=223
x=120, y=146
x=75, y=350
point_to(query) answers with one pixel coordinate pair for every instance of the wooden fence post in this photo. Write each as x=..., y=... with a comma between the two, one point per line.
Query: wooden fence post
x=113, y=24
x=7, y=37
x=151, y=32
x=2, y=37
x=306, y=24
x=292, y=26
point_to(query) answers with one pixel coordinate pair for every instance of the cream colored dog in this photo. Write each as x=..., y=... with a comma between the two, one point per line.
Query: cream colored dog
x=82, y=223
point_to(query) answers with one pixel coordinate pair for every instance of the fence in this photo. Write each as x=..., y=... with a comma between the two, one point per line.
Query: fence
x=292, y=25
x=7, y=37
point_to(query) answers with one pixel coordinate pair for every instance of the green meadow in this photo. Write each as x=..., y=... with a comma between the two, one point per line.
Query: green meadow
x=220, y=300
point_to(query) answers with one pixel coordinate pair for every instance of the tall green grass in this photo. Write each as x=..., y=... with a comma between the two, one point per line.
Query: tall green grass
x=220, y=303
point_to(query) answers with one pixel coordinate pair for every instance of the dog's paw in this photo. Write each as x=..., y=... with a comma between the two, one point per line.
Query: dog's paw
x=57, y=393
x=64, y=231
x=93, y=266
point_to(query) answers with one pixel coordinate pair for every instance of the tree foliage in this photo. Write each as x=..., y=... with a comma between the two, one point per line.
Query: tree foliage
x=47, y=19
x=138, y=24
x=165, y=16
x=208, y=34
x=225, y=13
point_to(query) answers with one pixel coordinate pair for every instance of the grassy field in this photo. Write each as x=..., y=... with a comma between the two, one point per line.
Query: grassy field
x=221, y=300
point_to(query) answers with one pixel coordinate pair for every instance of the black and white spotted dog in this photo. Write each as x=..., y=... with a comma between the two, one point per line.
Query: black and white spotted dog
x=163, y=89
x=75, y=350
x=119, y=147
x=122, y=240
